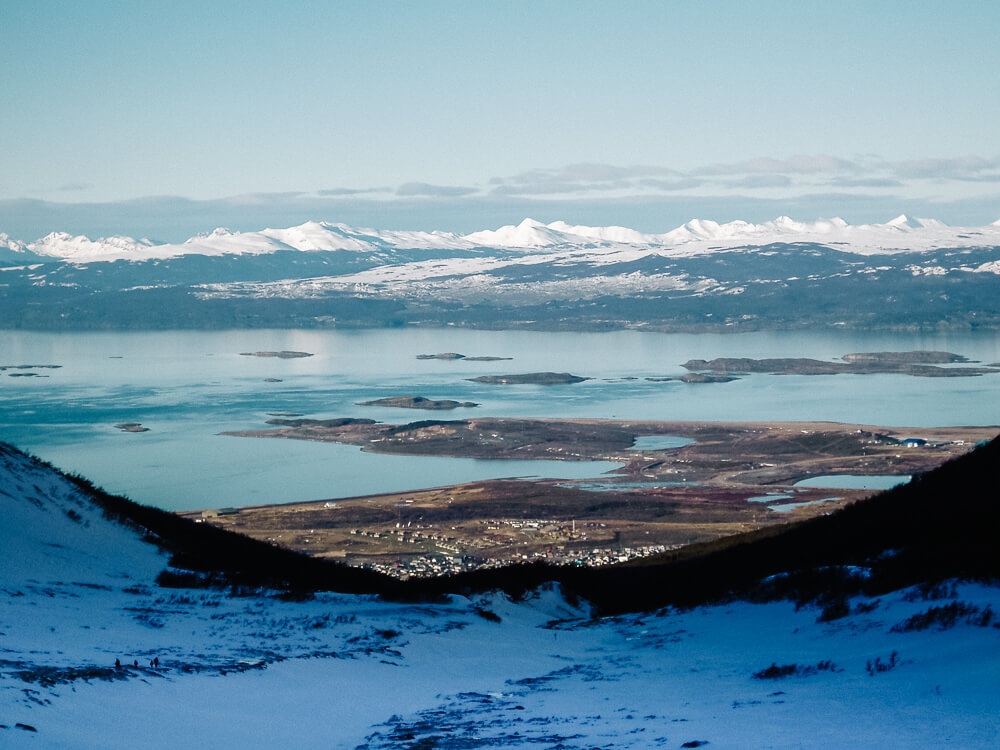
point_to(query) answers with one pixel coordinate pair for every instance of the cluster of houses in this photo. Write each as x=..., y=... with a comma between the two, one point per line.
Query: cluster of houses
x=435, y=565
x=407, y=535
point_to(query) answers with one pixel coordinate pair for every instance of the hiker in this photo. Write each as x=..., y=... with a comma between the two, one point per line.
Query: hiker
x=156, y=662
x=118, y=663
x=135, y=663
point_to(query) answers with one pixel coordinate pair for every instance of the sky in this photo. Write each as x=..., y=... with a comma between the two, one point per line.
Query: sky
x=168, y=118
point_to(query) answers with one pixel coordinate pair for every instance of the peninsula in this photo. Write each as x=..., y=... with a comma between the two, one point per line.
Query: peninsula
x=732, y=477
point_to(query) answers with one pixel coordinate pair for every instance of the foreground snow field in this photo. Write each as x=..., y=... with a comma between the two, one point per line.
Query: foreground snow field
x=337, y=671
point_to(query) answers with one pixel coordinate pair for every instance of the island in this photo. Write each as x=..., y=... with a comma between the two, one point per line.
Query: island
x=456, y=355
x=531, y=378
x=29, y=367
x=695, y=377
x=920, y=356
x=418, y=402
x=920, y=364
x=279, y=355
x=131, y=427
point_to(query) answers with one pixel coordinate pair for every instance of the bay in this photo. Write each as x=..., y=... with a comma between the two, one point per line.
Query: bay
x=188, y=386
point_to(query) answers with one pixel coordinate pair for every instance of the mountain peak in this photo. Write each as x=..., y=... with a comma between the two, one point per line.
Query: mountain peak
x=903, y=222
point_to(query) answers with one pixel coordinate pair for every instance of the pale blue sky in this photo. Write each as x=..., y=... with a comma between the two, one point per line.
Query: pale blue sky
x=489, y=109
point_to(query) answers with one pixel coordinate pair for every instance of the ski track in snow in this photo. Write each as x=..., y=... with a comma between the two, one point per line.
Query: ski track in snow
x=338, y=671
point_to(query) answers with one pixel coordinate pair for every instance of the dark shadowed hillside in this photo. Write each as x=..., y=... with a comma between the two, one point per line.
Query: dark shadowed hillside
x=941, y=525
x=216, y=557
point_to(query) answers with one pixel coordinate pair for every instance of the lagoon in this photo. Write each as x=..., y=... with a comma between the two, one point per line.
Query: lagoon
x=855, y=482
x=189, y=386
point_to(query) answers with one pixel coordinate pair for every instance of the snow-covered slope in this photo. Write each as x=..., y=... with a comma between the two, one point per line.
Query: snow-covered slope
x=697, y=235
x=336, y=671
x=51, y=533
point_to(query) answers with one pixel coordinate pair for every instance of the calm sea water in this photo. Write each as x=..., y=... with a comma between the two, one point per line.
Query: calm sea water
x=187, y=387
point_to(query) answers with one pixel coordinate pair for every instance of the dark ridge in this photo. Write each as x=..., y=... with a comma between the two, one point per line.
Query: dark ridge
x=218, y=557
x=943, y=524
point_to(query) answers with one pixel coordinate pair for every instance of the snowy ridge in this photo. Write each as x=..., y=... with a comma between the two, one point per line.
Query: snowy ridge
x=696, y=236
x=259, y=670
x=52, y=532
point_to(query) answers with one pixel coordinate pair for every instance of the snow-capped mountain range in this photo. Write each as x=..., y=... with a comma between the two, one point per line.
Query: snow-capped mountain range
x=697, y=235
x=702, y=275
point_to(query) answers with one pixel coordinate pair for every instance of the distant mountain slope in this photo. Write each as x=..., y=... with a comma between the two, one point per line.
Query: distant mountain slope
x=696, y=236
x=904, y=274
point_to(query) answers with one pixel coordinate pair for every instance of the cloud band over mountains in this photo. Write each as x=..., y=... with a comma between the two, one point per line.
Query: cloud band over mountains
x=962, y=190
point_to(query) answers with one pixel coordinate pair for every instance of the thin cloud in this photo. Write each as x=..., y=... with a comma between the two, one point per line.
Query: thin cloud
x=590, y=177
x=958, y=168
x=267, y=197
x=865, y=182
x=683, y=182
x=411, y=189
x=752, y=181
x=798, y=164
x=334, y=192
x=74, y=187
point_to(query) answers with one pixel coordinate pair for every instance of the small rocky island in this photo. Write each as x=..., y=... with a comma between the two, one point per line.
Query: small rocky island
x=131, y=427
x=279, y=355
x=4, y=368
x=919, y=363
x=530, y=378
x=921, y=357
x=456, y=355
x=418, y=402
x=695, y=377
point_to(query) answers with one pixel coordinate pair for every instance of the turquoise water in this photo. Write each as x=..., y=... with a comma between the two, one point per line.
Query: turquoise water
x=660, y=442
x=853, y=482
x=789, y=507
x=769, y=498
x=188, y=386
